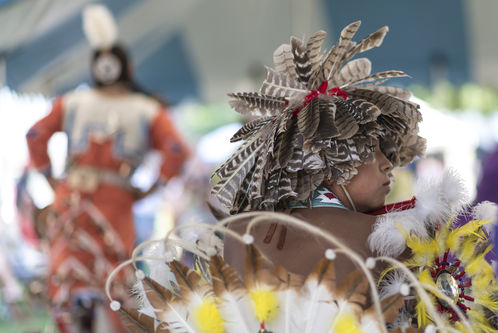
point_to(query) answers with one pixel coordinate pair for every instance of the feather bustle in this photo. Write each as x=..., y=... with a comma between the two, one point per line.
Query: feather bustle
x=156, y=294
x=259, y=270
x=137, y=322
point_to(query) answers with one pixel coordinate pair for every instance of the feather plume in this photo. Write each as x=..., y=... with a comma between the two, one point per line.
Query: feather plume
x=486, y=210
x=245, y=103
x=353, y=70
x=232, y=173
x=261, y=284
x=186, y=278
x=376, y=76
x=259, y=270
x=319, y=299
x=313, y=47
x=284, y=61
x=374, y=39
x=389, y=90
x=207, y=317
x=308, y=119
x=157, y=295
x=136, y=322
x=331, y=63
x=280, y=85
x=99, y=26
x=289, y=298
x=301, y=60
x=234, y=304
x=346, y=320
x=184, y=313
x=354, y=288
x=249, y=128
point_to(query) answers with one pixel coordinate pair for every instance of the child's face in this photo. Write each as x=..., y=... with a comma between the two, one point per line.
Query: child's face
x=370, y=187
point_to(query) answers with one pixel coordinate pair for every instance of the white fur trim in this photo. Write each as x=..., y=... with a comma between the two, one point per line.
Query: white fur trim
x=437, y=201
x=486, y=210
x=387, y=239
x=430, y=207
x=99, y=26
x=453, y=191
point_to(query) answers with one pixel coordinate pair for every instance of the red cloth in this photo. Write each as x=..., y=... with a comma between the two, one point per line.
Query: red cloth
x=83, y=250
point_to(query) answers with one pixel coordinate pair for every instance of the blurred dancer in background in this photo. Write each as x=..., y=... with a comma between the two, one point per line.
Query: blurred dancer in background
x=109, y=128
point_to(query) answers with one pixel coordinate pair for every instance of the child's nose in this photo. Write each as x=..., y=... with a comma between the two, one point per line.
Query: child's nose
x=385, y=163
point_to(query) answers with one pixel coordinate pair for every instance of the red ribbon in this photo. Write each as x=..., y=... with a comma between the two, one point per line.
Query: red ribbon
x=322, y=89
x=397, y=206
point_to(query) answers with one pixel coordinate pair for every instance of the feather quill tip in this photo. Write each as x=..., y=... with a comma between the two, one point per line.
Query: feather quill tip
x=330, y=254
x=404, y=289
x=248, y=239
x=99, y=26
x=139, y=274
x=115, y=306
x=370, y=263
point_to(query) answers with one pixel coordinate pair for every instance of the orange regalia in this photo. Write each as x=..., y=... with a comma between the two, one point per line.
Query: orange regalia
x=91, y=227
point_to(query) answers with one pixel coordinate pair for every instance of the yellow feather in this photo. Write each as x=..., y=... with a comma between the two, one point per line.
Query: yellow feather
x=207, y=318
x=478, y=265
x=467, y=249
x=346, y=322
x=486, y=301
x=473, y=227
x=424, y=252
x=265, y=304
x=461, y=327
x=442, y=234
x=479, y=321
x=454, y=237
x=423, y=317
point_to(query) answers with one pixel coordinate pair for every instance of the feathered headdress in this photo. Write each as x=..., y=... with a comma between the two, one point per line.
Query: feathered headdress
x=319, y=117
x=99, y=27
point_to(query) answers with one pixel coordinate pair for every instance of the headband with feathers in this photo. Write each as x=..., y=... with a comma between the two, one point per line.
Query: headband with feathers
x=319, y=117
x=99, y=27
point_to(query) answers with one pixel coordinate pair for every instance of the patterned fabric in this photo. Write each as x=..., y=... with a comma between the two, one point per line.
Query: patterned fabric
x=322, y=197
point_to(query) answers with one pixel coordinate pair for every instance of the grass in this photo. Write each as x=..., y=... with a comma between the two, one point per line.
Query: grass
x=28, y=318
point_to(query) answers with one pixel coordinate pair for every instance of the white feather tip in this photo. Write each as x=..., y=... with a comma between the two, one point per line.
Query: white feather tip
x=99, y=26
x=484, y=211
x=454, y=191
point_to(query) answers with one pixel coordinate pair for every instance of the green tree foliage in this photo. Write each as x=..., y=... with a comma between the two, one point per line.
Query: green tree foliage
x=466, y=97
